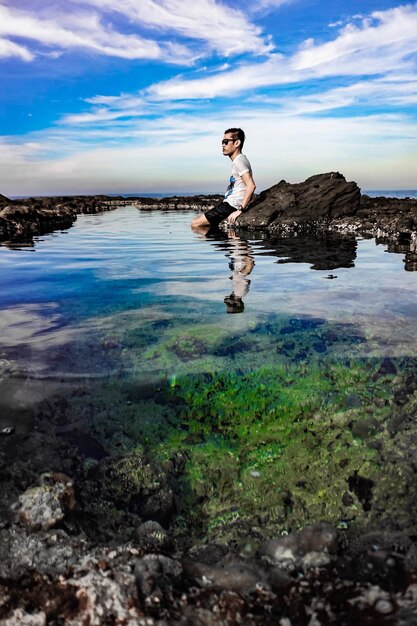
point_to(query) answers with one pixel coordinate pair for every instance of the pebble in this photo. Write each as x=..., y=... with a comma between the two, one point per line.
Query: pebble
x=6, y=432
x=383, y=606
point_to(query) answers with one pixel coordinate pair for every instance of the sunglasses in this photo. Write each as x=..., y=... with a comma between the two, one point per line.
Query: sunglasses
x=226, y=141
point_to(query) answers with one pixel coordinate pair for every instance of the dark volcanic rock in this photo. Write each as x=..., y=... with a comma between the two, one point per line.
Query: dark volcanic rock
x=319, y=199
x=391, y=220
x=23, y=221
x=20, y=220
x=197, y=202
x=327, y=202
x=4, y=201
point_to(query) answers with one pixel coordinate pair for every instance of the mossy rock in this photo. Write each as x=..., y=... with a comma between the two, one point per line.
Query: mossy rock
x=132, y=482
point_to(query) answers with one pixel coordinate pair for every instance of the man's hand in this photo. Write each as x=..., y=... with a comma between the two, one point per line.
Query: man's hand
x=232, y=217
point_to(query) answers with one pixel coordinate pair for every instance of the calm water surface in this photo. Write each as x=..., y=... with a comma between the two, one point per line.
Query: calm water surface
x=128, y=271
x=251, y=356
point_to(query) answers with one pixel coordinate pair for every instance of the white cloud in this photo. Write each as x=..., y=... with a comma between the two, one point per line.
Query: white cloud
x=225, y=30
x=380, y=45
x=91, y=24
x=268, y=5
x=166, y=153
x=82, y=30
x=228, y=83
x=10, y=49
x=387, y=91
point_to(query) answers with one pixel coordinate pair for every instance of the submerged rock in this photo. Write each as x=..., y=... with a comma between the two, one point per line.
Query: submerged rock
x=133, y=483
x=152, y=536
x=45, y=505
x=311, y=547
x=156, y=576
x=236, y=576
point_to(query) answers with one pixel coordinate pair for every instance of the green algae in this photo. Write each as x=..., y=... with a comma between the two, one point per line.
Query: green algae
x=277, y=442
x=272, y=424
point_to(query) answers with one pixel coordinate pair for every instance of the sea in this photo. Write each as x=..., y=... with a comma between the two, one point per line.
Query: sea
x=389, y=193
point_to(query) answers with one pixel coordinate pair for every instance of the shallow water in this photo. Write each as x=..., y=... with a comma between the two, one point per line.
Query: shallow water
x=164, y=338
x=126, y=270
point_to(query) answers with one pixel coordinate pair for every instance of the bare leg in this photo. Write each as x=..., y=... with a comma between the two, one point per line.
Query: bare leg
x=200, y=230
x=200, y=221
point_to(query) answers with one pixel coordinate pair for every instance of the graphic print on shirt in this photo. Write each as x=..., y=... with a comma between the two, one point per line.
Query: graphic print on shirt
x=230, y=186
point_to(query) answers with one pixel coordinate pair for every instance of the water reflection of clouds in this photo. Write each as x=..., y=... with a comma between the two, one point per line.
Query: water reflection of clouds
x=207, y=288
x=32, y=324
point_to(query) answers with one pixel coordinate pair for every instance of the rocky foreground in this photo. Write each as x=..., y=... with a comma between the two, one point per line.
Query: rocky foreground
x=89, y=538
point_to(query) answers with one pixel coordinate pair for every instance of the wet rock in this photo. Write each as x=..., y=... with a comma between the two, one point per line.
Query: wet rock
x=132, y=482
x=22, y=618
x=45, y=505
x=49, y=553
x=311, y=547
x=365, y=427
x=7, y=431
x=152, y=537
x=209, y=554
x=103, y=599
x=410, y=561
x=380, y=558
x=23, y=219
x=353, y=401
x=387, y=368
x=362, y=488
x=237, y=576
x=159, y=505
x=376, y=598
x=85, y=444
x=188, y=348
x=347, y=499
x=156, y=576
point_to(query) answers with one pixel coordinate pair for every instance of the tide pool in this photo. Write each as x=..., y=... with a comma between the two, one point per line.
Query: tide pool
x=256, y=361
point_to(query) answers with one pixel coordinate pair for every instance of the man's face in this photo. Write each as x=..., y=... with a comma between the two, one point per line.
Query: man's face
x=231, y=145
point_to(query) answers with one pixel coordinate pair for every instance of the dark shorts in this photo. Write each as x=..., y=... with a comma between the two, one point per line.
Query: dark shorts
x=219, y=213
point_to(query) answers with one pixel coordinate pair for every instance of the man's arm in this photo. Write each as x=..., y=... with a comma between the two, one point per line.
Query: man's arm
x=250, y=188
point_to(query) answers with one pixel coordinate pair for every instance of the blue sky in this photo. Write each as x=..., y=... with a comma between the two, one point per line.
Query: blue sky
x=113, y=96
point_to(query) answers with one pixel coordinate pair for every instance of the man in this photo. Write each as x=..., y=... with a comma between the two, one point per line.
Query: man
x=241, y=186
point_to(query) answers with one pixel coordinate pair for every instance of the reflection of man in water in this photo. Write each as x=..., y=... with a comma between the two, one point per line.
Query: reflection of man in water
x=241, y=264
x=241, y=186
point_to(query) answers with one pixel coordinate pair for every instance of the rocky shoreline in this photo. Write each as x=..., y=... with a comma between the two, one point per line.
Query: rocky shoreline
x=322, y=203
x=21, y=220
x=92, y=538
x=327, y=202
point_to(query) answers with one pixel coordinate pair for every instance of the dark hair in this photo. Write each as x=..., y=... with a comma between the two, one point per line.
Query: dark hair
x=237, y=134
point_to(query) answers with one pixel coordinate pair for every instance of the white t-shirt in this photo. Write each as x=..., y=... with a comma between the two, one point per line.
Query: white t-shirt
x=235, y=192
